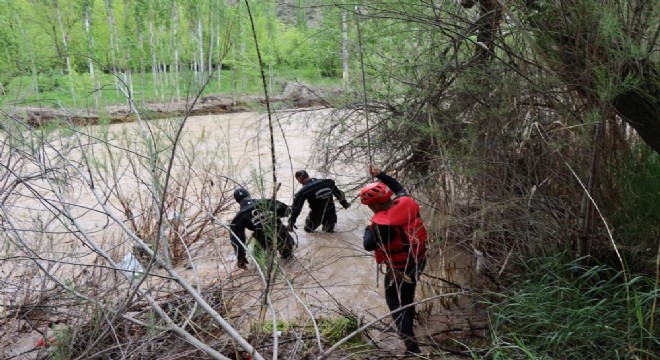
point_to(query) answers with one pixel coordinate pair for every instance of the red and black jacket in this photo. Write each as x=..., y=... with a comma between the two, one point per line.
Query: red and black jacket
x=397, y=236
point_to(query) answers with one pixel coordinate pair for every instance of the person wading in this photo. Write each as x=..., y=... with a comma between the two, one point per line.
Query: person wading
x=259, y=215
x=319, y=195
x=397, y=236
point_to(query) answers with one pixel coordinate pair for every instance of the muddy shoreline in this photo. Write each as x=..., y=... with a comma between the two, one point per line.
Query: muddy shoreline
x=294, y=96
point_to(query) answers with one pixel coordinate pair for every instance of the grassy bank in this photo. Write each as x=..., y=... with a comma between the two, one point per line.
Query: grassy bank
x=557, y=310
x=82, y=91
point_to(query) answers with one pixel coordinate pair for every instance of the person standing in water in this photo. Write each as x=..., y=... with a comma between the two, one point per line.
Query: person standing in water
x=397, y=236
x=319, y=195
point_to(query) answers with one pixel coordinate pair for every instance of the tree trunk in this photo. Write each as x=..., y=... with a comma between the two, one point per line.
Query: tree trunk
x=640, y=108
x=65, y=49
x=87, y=22
x=486, y=26
x=209, y=61
x=175, y=46
x=242, y=54
x=154, y=61
x=220, y=55
x=163, y=73
x=270, y=50
x=113, y=45
x=126, y=56
x=344, y=48
x=200, y=44
x=33, y=65
x=587, y=210
x=140, y=41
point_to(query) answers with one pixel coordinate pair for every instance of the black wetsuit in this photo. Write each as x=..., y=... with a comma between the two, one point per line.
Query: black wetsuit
x=318, y=193
x=257, y=216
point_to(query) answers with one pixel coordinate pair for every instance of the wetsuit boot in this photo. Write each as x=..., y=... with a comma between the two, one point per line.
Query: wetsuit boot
x=412, y=347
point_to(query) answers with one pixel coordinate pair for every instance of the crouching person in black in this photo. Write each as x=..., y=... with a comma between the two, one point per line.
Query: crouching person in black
x=319, y=195
x=259, y=216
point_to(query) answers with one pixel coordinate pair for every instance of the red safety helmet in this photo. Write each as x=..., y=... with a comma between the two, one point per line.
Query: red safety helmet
x=375, y=193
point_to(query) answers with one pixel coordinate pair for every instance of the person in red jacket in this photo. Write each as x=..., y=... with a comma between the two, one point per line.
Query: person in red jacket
x=397, y=236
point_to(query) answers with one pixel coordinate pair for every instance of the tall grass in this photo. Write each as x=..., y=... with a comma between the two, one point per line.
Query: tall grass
x=558, y=311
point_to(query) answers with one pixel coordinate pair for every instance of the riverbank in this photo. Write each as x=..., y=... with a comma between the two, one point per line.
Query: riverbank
x=294, y=96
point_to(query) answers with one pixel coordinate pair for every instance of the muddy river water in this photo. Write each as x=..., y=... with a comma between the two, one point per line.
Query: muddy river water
x=337, y=261
x=332, y=275
x=329, y=268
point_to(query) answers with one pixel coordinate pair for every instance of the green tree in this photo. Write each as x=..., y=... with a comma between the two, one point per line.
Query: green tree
x=605, y=50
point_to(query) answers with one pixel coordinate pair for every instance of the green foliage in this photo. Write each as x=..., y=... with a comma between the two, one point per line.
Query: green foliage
x=62, y=339
x=596, y=43
x=558, y=311
x=143, y=35
x=331, y=329
x=636, y=218
x=293, y=48
x=338, y=328
x=268, y=326
x=54, y=89
x=307, y=50
x=260, y=255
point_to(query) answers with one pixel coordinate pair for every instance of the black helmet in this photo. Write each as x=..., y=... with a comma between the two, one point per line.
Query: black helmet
x=240, y=194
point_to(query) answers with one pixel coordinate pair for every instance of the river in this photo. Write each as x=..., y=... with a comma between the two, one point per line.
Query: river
x=332, y=275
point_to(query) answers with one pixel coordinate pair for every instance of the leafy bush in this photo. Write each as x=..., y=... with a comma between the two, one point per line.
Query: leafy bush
x=294, y=49
x=636, y=218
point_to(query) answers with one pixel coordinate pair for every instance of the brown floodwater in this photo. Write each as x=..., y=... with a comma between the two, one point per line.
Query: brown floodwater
x=331, y=275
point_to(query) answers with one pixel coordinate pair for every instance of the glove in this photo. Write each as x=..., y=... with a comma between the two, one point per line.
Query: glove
x=374, y=170
x=367, y=233
x=345, y=204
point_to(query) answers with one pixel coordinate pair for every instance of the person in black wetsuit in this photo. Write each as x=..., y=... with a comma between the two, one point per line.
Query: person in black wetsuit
x=259, y=215
x=318, y=193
